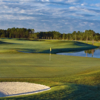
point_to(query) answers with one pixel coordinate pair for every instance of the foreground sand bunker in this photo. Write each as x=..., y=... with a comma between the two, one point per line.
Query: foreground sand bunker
x=20, y=88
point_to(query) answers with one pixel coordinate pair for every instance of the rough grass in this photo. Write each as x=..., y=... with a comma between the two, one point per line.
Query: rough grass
x=70, y=78
x=96, y=43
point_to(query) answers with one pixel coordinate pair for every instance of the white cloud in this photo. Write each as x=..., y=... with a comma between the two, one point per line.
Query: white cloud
x=83, y=4
x=45, y=0
x=17, y=17
x=97, y=5
x=49, y=14
x=70, y=1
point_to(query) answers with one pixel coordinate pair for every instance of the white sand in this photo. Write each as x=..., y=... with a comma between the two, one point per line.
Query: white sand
x=20, y=88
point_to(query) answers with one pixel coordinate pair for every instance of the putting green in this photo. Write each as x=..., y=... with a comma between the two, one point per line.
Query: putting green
x=14, y=45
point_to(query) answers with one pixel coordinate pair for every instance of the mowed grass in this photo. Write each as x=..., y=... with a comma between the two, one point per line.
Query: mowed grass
x=42, y=46
x=70, y=78
x=39, y=65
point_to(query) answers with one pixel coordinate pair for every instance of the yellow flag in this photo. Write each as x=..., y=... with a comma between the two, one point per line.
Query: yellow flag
x=50, y=49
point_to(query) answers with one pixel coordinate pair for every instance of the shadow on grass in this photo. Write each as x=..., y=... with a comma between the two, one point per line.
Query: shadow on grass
x=1, y=42
x=81, y=44
x=27, y=51
x=3, y=94
x=65, y=92
x=29, y=39
x=54, y=51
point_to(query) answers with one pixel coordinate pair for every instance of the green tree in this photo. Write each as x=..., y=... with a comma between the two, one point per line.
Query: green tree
x=74, y=35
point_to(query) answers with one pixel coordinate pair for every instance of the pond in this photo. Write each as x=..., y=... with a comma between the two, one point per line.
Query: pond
x=95, y=53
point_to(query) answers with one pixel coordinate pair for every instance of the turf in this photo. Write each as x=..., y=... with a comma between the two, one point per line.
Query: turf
x=70, y=78
x=95, y=43
x=14, y=45
x=27, y=65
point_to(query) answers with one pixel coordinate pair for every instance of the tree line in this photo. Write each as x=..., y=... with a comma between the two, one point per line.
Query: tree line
x=16, y=33
x=30, y=33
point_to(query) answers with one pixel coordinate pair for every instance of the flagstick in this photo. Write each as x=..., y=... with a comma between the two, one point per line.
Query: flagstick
x=50, y=54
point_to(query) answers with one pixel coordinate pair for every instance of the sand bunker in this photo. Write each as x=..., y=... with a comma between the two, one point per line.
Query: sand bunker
x=20, y=88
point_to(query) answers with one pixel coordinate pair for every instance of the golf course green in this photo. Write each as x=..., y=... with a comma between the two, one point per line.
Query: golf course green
x=69, y=77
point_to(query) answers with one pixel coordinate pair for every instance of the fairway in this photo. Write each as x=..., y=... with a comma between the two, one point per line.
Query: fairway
x=39, y=65
x=69, y=77
x=41, y=46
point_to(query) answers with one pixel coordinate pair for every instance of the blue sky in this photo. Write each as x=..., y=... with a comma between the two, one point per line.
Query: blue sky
x=64, y=16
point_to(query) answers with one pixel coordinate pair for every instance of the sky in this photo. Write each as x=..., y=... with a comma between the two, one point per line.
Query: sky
x=64, y=16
